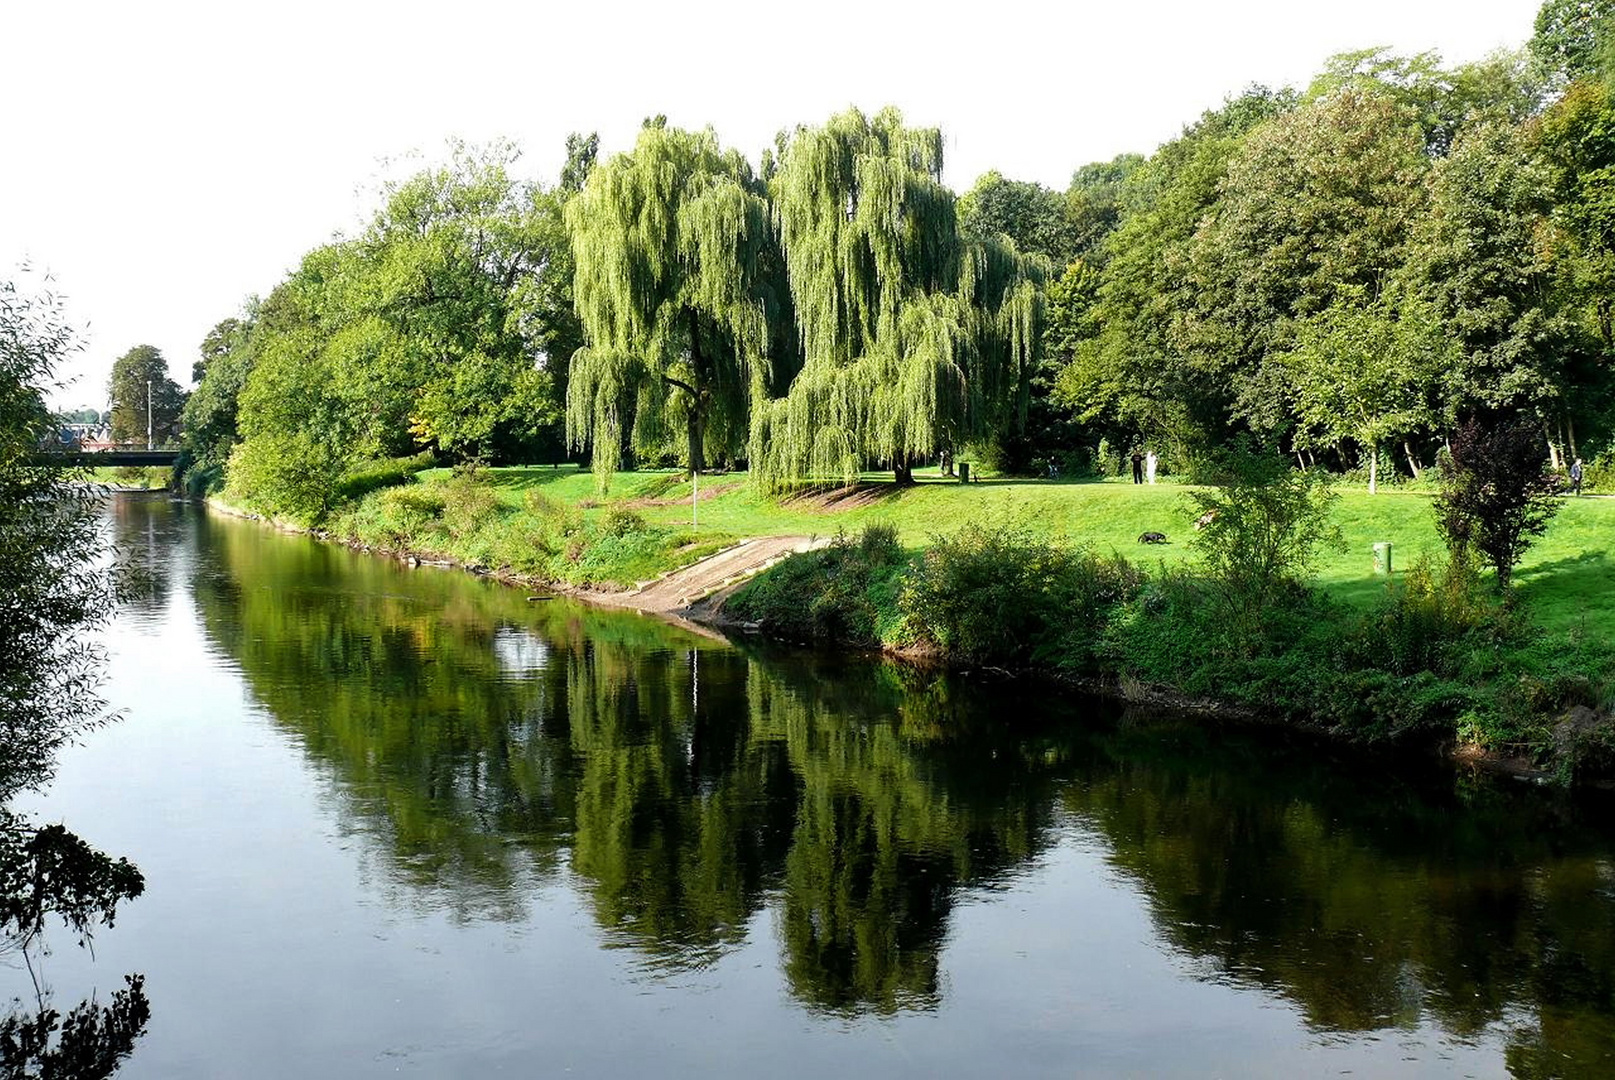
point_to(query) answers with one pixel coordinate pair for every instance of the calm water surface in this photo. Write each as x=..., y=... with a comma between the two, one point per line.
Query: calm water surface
x=402, y=822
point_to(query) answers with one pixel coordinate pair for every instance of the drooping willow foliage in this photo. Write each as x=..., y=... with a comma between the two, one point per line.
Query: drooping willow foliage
x=914, y=341
x=672, y=244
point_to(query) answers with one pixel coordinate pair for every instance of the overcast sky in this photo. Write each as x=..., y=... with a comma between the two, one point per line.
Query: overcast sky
x=164, y=161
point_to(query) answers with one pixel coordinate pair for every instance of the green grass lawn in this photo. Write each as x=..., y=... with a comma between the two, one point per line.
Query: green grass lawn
x=1568, y=577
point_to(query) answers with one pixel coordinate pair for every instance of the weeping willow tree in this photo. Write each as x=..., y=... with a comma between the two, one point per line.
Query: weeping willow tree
x=673, y=245
x=915, y=342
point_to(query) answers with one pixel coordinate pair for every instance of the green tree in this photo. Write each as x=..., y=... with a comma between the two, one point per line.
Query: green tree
x=1094, y=202
x=671, y=243
x=227, y=357
x=1575, y=39
x=432, y=292
x=145, y=401
x=1365, y=371
x=1129, y=371
x=542, y=301
x=1031, y=215
x=1504, y=87
x=914, y=342
x=1577, y=139
x=1478, y=260
x=1316, y=200
x=425, y=331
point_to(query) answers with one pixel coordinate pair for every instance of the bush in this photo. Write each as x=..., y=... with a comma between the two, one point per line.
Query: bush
x=361, y=478
x=291, y=475
x=878, y=545
x=1599, y=474
x=1263, y=527
x=468, y=504
x=846, y=593
x=1496, y=492
x=1004, y=595
x=619, y=521
x=1425, y=621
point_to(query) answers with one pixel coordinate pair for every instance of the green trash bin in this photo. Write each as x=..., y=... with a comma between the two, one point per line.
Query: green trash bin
x=1382, y=558
x=964, y=472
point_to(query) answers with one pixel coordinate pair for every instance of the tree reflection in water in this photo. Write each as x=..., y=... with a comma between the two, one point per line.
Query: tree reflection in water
x=689, y=784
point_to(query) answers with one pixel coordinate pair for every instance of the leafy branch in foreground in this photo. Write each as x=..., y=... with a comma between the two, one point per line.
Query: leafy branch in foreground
x=54, y=587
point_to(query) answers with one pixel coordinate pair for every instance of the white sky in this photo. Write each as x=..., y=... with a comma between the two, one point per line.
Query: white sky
x=165, y=160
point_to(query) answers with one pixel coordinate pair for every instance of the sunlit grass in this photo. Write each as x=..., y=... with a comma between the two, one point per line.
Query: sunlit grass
x=1568, y=577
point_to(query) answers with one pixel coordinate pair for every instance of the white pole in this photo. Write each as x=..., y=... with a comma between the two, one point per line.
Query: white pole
x=148, y=414
x=695, y=513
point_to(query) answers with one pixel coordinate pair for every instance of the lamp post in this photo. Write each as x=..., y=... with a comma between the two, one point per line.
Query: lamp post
x=148, y=414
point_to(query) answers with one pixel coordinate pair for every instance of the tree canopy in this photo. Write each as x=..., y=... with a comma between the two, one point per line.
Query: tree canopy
x=915, y=340
x=673, y=248
x=1339, y=270
x=145, y=401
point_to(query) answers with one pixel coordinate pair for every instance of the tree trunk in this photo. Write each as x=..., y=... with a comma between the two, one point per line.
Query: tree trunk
x=697, y=432
x=697, y=436
x=1570, y=436
x=1413, y=462
x=1553, y=451
x=903, y=470
x=1373, y=469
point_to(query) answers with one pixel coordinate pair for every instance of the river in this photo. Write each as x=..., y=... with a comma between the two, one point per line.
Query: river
x=406, y=822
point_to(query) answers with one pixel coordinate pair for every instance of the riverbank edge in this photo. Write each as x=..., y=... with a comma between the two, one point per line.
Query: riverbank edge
x=708, y=614
x=709, y=611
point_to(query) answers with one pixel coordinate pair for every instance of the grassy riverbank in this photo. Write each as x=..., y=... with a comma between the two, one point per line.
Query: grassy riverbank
x=1567, y=579
x=1049, y=576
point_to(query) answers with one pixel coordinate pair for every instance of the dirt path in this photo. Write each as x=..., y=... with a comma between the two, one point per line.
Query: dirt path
x=684, y=587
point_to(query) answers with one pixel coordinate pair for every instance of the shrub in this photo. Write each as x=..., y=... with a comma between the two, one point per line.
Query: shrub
x=1264, y=526
x=363, y=477
x=847, y=592
x=1425, y=620
x=419, y=502
x=878, y=545
x=468, y=504
x=291, y=475
x=619, y=521
x=1599, y=474
x=1496, y=493
x=1005, y=595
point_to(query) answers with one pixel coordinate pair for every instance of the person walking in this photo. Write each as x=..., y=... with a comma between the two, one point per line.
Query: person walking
x=1138, y=466
x=1575, y=478
x=1150, y=463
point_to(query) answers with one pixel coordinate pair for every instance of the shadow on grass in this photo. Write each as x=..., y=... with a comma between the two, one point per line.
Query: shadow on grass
x=1573, y=593
x=1357, y=592
x=525, y=476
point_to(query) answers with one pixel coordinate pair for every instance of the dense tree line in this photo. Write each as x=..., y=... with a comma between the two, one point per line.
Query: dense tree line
x=1344, y=273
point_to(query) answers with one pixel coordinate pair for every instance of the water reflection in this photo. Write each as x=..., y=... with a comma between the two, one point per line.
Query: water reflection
x=487, y=744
